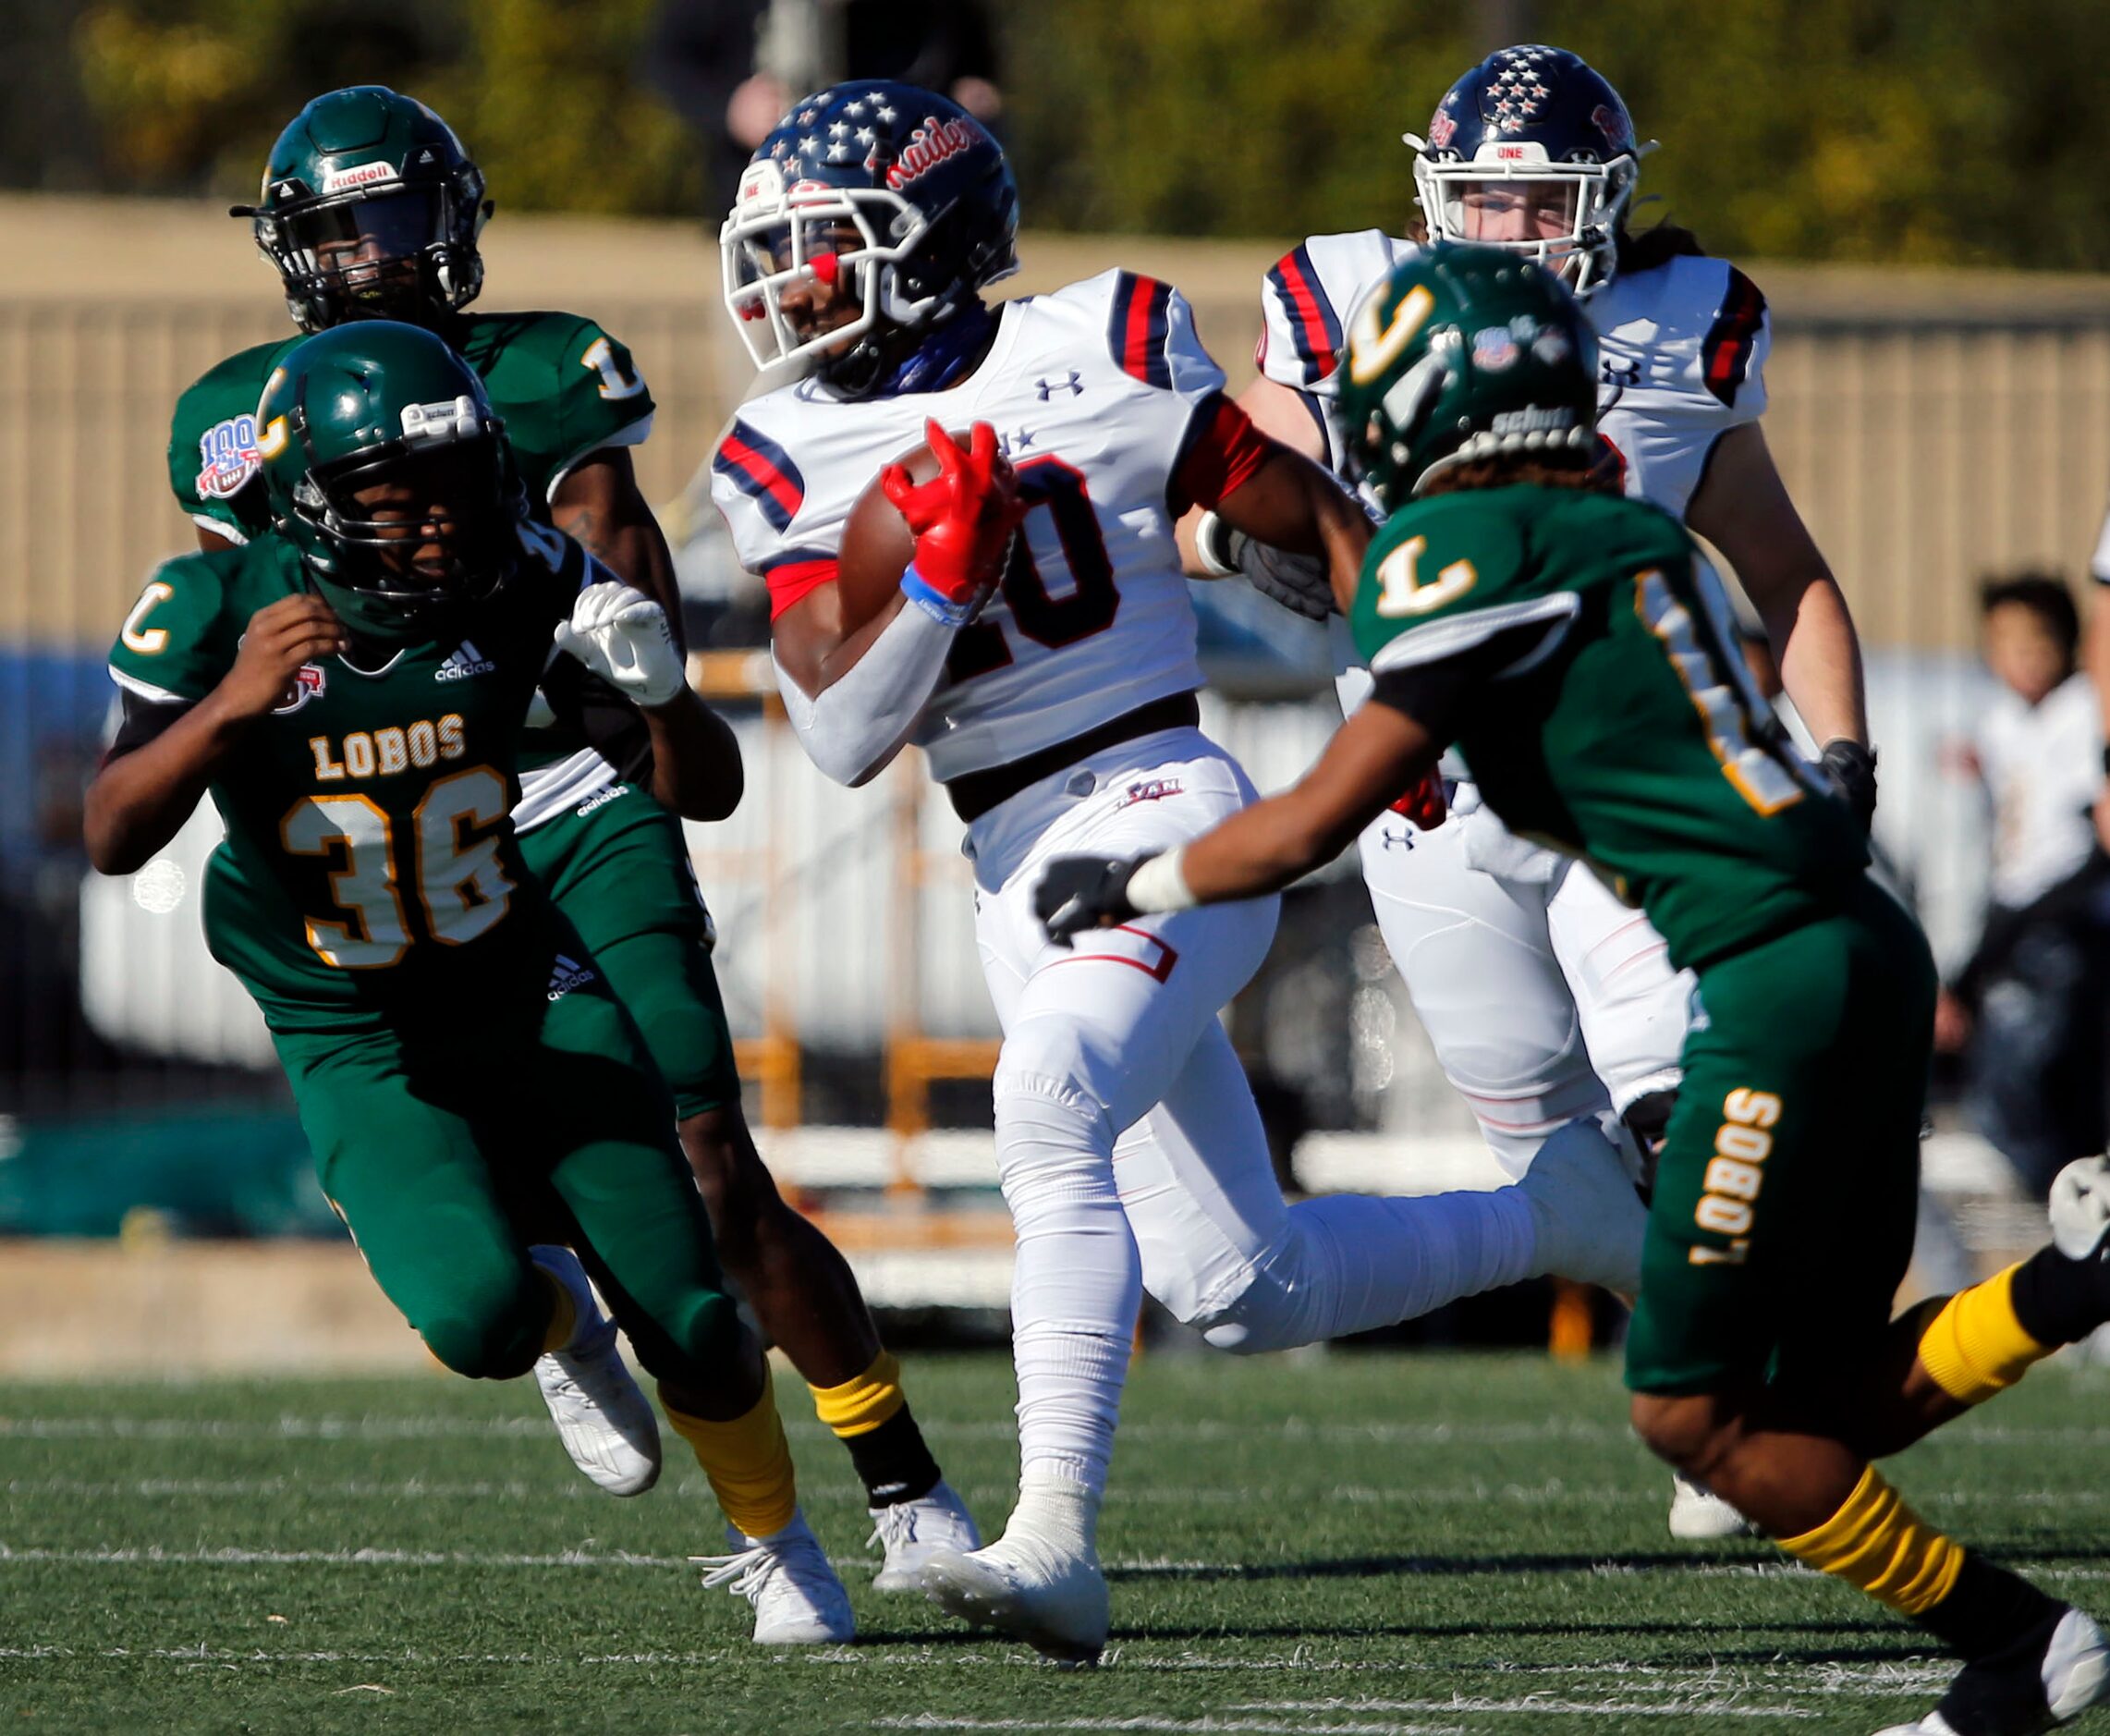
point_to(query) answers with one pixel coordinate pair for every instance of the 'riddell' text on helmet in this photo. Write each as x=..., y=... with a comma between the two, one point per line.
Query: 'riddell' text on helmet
x=371, y=210
x=1534, y=152
x=873, y=212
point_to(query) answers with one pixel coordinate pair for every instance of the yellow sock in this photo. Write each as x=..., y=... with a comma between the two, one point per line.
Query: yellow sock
x=1880, y=1546
x=1974, y=1345
x=747, y=1460
x=564, y=1311
x=861, y=1403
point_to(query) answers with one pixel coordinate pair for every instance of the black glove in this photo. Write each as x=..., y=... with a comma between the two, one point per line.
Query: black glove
x=1080, y=892
x=1299, y=582
x=1851, y=768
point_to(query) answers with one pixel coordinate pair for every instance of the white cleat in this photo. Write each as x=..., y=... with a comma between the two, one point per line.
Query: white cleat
x=1033, y=1590
x=1698, y=1515
x=912, y=1532
x=1590, y=1220
x=2080, y=1208
x=797, y=1599
x=2024, y=1690
x=605, y=1423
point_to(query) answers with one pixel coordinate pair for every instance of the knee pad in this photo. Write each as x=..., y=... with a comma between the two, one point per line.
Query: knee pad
x=1274, y=1308
x=492, y=1335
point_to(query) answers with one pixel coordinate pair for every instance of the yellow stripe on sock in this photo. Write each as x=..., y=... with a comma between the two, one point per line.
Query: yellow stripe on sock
x=1876, y=1542
x=861, y=1405
x=747, y=1460
x=1974, y=1345
x=564, y=1311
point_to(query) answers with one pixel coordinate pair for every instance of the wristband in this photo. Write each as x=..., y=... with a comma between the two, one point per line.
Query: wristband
x=1216, y=546
x=1160, y=885
x=935, y=602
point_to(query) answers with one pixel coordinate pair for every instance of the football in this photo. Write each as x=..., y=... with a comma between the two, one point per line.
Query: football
x=877, y=547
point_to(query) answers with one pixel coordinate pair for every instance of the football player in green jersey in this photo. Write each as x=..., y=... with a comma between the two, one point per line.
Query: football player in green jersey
x=349, y=687
x=1579, y=653
x=371, y=208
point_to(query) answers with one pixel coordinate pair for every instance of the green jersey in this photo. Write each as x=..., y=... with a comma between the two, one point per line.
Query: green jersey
x=369, y=855
x=562, y=385
x=1609, y=712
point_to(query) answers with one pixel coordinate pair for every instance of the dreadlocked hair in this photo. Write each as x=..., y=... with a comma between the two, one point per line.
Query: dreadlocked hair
x=1580, y=470
x=1656, y=245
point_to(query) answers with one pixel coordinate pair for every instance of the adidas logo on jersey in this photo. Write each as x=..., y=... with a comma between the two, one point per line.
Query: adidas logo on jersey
x=567, y=974
x=464, y=661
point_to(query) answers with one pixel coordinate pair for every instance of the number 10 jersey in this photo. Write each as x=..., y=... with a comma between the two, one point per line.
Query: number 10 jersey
x=1112, y=415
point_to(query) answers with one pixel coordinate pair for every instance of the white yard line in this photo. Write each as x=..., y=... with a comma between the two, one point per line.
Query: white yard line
x=1205, y=1726
x=370, y=1428
x=1716, y=1707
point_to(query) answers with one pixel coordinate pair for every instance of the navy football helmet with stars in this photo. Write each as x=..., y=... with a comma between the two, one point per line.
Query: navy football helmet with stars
x=1532, y=140
x=872, y=214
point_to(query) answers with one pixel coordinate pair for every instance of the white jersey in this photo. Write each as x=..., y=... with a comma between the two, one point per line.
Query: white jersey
x=1681, y=351
x=1098, y=394
x=1681, y=360
x=2043, y=770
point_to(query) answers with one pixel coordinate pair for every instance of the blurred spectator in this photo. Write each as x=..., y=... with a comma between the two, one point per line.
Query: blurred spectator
x=732, y=68
x=2028, y=1011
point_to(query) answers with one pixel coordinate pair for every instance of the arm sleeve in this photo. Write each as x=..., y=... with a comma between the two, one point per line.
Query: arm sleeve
x=1222, y=451
x=853, y=728
x=140, y=720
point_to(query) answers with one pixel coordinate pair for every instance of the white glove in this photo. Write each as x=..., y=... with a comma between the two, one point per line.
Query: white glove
x=622, y=635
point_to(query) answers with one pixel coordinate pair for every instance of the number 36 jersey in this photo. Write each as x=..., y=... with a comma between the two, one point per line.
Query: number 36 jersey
x=1114, y=416
x=369, y=853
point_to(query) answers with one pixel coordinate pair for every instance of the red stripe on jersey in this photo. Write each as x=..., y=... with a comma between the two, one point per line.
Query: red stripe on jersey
x=1305, y=298
x=795, y=581
x=1727, y=351
x=1136, y=341
x=1224, y=451
x=782, y=489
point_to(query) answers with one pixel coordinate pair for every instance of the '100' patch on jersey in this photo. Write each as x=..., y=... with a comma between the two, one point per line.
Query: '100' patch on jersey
x=227, y=457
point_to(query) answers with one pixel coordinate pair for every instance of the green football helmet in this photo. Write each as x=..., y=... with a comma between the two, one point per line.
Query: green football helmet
x=1463, y=353
x=371, y=208
x=380, y=403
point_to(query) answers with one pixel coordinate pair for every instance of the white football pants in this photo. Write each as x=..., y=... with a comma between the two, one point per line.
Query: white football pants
x=1127, y=1144
x=1544, y=997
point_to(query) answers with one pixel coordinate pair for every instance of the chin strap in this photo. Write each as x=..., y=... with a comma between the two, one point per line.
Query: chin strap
x=945, y=353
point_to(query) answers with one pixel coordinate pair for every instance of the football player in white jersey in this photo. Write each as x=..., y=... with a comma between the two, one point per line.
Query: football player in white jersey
x=1546, y=998
x=1049, y=678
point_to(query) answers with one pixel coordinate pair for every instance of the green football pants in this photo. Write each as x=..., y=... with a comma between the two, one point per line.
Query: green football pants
x=1787, y=1193
x=460, y=1131
x=619, y=868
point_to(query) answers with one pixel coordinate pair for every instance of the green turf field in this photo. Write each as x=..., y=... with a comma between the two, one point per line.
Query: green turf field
x=1315, y=1546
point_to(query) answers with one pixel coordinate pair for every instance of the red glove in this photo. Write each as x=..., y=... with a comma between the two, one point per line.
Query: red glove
x=1424, y=804
x=962, y=517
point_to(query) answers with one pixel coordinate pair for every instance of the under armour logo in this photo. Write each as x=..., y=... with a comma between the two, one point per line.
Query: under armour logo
x=1389, y=838
x=1074, y=385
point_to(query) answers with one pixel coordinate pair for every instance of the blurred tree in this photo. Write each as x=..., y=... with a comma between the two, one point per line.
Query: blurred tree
x=548, y=99
x=1932, y=131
